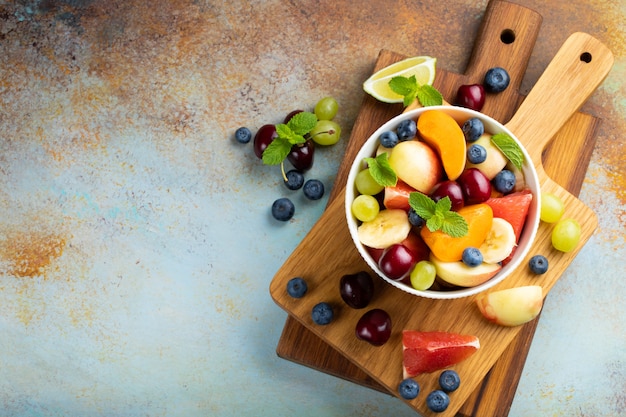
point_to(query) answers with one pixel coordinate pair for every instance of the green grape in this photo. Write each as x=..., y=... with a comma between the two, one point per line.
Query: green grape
x=365, y=183
x=365, y=208
x=326, y=132
x=552, y=208
x=423, y=275
x=566, y=235
x=326, y=108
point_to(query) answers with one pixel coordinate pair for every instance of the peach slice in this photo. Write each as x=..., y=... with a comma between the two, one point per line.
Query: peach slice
x=512, y=306
x=443, y=133
x=446, y=248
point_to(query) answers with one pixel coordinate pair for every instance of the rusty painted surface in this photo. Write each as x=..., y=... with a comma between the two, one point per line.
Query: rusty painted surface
x=135, y=242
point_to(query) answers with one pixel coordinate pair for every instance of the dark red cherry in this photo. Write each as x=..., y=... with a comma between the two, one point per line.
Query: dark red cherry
x=450, y=189
x=290, y=115
x=471, y=96
x=301, y=155
x=357, y=289
x=397, y=261
x=264, y=136
x=374, y=327
x=475, y=185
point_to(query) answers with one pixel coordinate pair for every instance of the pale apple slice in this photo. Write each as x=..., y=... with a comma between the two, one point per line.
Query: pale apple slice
x=495, y=162
x=457, y=273
x=513, y=306
x=416, y=164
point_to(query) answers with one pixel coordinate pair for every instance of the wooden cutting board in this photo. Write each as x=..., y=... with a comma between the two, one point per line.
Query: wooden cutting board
x=502, y=21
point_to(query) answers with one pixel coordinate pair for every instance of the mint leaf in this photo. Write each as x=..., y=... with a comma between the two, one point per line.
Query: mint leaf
x=381, y=171
x=509, y=148
x=429, y=96
x=276, y=151
x=410, y=90
x=439, y=215
x=302, y=123
x=424, y=206
x=454, y=225
x=286, y=133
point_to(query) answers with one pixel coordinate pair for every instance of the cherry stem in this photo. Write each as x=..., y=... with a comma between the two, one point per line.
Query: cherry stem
x=282, y=170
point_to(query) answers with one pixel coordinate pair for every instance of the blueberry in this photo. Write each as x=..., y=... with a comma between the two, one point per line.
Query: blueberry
x=504, y=181
x=437, y=401
x=313, y=189
x=283, y=209
x=476, y=154
x=415, y=219
x=407, y=129
x=496, y=80
x=449, y=380
x=538, y=264
x=388, y=139
x=297, y=287
x=243, y=135
x=322, y=313
x=408, y=389
x=295, y=179
x=472, y=256
x=473, y=129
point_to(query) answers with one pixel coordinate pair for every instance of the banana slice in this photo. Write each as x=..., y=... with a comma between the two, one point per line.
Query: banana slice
x=499, y=242
x=388, y=228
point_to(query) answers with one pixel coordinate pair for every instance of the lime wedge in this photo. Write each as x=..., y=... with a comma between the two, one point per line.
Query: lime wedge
x=423, y=67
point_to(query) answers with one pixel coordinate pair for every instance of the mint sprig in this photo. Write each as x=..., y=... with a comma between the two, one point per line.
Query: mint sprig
x=410, y=90
x=511, y=150
x=438, y=215
x=289, y=134
x=381, y=171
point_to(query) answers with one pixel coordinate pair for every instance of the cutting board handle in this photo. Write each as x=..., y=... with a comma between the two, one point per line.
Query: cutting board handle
x=578, y=68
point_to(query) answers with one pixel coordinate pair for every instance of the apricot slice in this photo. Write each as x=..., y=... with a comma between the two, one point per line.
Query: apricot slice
x=450, y=249
x=444, y=135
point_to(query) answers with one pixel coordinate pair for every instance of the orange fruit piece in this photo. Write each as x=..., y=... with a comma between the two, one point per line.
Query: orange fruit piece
x=444, y=135
x=450, y=249
x=431, y=351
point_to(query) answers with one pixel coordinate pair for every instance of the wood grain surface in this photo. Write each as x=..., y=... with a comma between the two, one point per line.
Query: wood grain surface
x=304, y=346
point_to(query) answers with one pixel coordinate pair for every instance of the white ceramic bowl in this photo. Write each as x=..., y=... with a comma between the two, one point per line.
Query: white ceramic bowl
x=532, y=221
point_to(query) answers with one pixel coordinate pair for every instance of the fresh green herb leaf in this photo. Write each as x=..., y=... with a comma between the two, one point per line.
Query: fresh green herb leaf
x=276, y=151
x=429, y=96
x=406, y=87
x=292, y=133
x=410, y=90
x=381, y=171
x=509, y=148
x=302, y=123
x=454, y=224
x=439, y=215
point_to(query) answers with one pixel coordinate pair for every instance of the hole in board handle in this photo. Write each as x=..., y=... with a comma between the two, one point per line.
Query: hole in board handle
x=586, y=57
x=507, y=36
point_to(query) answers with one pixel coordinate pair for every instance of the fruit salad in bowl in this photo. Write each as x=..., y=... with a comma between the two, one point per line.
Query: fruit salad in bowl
x=442, y=202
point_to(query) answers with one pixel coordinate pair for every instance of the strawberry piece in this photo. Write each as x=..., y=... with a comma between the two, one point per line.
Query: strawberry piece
x=512, y=208
x=425, y=352
x=397, y=197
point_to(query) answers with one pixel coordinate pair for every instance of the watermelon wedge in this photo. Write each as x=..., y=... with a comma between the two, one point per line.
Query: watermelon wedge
x=424, y=352
x=512, y=208
x=397, y=197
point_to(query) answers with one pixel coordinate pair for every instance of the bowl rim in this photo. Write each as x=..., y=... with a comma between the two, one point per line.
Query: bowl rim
x=528, y=233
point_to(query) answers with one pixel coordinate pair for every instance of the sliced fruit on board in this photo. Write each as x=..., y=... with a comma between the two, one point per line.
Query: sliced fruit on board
x=513, y=208
x=422, y=67
x=512, y=306
x=424, y=352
